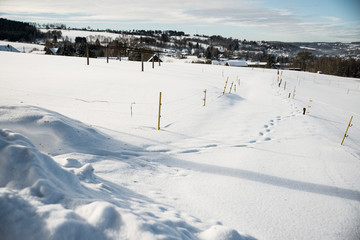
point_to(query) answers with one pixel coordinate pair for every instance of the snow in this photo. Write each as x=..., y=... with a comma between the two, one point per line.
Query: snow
x=72, y=34
x=76, y=164
x=232, y=63
x=90, y=35
x=21, y=47
x=308, y=48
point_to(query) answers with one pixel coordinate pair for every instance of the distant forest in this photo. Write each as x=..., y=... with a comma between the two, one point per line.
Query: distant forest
x=15, y=31
x=327, y=65
x=18, y=31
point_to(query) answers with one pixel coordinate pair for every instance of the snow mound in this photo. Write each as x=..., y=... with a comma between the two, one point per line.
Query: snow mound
x=86, y=173
x=56, y=134
x=41, y=199
x=231, y=99
x=219, y=232
x=22, y=166
x=69, y=163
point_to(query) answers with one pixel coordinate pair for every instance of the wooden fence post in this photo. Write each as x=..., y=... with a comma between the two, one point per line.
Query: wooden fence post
x=142, y=62
x=307, y=109
x=231, y=86
x=107, y=53
x=131, y=108
x=225, y=85
x=345, y=135
x=87, y=53
x=294, y=92
x=159, y=112
x=205, y=98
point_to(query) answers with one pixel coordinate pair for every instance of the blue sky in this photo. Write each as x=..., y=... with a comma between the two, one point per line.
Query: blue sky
x=276, y=20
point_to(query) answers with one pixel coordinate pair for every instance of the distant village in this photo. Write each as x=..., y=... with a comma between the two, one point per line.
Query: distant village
x=137, y=45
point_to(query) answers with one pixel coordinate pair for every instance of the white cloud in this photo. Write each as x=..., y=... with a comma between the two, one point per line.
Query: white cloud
x=333, y=19
x=207, y=13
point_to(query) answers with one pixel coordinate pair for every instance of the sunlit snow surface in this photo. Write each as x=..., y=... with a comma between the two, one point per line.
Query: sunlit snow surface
x=81, y=156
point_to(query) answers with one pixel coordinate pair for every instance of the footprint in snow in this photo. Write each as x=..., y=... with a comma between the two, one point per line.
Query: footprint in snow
x=210, y=146
x=190, y=151
x=241, y=145
x=162, y=209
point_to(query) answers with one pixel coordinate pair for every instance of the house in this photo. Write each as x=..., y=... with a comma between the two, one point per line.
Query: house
x=155, y=57
x=179, y=54
x=53, y=51
x=8, y=48
x=236, y=63
x=232, y=63
x=194, y=51
x=185, y=51
x=257, y=64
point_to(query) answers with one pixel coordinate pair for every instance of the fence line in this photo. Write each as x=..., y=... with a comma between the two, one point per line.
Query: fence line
x=195, y=104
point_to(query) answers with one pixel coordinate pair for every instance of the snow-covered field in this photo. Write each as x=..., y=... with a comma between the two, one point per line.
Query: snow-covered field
x=89, y=35
x=81, y=156
x=23, y=47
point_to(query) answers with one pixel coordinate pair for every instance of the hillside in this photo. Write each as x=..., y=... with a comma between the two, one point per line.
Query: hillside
x=81, y=156
x=18, y=31
x=340, y=59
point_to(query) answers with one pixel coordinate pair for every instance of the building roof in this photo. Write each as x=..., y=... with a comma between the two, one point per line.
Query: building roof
x=8, y=48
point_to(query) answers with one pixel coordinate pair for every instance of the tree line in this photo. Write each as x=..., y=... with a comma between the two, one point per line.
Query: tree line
x=122, y=47
x=15, y=31
x=18, y=31
x=306, y=61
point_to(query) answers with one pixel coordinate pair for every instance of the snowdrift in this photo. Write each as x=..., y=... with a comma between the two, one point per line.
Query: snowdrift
x=56, y=134
x=43, y=199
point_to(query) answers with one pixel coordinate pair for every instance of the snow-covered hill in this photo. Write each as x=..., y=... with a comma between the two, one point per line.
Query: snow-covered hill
x=81, y=156
x=24, y=47
x=91, y=36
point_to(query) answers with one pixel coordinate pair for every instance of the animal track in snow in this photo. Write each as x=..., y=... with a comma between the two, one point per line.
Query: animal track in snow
x=210, y=146
x=190, y=151
x=267, y=129
x=240, y=145
x=262, y=134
